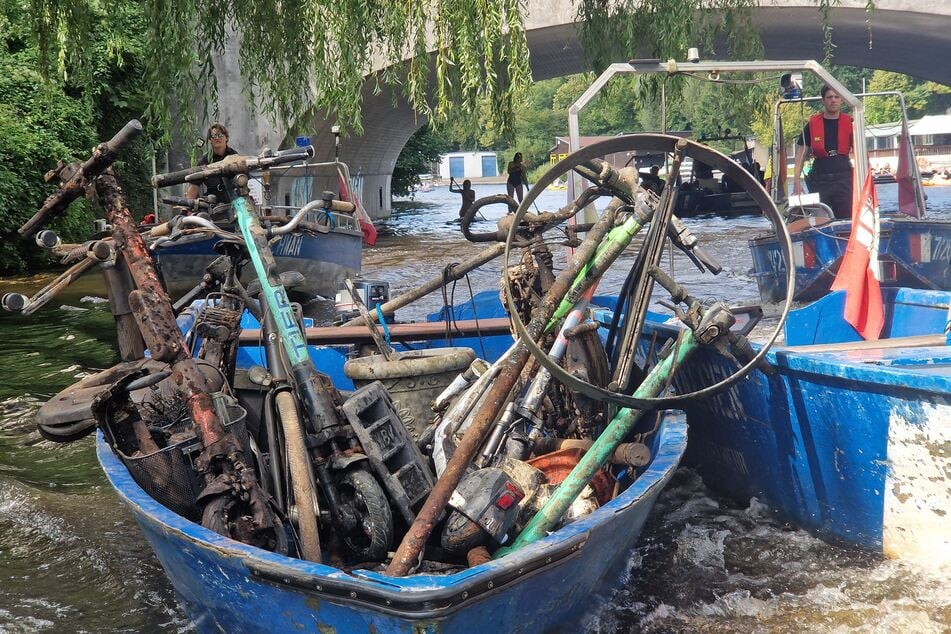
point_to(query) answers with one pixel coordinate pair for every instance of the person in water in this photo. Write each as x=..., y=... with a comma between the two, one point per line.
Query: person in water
x=517, y=178
x=827, y=136
x=467, y=193
x=216, y=186
x=652, y=181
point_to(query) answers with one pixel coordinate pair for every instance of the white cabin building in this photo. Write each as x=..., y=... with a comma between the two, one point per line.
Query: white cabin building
x=931, y=136
x=461, y=165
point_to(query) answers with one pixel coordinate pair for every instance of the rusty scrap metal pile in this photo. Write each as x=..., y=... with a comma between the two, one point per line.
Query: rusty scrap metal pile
x=494, y=457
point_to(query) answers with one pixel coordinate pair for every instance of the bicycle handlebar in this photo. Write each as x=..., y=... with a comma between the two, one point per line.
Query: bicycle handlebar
x=103, y=155
x=189, y=203
x=232, y=166
x=485, y=201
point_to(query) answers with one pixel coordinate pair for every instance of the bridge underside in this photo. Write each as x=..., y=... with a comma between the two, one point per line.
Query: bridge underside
x=903, y=41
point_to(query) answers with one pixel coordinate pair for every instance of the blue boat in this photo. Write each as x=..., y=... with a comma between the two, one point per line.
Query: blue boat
x=326, y=247
x=912, y=253
x=849, y=439
x=325, y=258
x=229, y=586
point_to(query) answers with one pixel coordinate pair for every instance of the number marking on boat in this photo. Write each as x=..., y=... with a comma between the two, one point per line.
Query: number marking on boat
x=289, y=246
x=940, y=249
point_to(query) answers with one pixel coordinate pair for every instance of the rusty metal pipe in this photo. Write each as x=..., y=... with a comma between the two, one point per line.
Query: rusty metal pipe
x=457, y=272
x=410, y=549
x=79, y=176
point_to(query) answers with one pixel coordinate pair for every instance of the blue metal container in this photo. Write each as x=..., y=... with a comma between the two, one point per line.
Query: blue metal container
x=912, y=253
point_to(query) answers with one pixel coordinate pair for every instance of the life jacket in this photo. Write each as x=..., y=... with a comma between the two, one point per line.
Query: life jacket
x=817, y=135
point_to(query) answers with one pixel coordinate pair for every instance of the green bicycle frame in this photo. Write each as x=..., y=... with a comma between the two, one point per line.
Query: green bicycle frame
x=316, y=401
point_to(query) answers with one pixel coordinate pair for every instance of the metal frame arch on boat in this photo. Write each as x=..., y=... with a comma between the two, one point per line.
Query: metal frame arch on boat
x=657, y=143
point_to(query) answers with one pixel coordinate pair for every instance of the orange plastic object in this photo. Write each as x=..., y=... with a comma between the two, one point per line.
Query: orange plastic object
x=558, y=464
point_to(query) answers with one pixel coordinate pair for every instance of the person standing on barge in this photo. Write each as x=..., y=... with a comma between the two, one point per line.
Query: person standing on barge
x=827, y=136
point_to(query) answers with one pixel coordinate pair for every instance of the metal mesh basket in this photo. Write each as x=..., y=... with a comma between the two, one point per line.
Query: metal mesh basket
x=169, y=475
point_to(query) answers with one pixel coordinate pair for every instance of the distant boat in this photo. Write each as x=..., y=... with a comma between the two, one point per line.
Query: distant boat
x=703, y=194
x=936, y=181
x=327, y=248
x=425, y=184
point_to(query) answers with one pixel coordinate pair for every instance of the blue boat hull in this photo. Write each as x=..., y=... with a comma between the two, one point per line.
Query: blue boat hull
x=229, y=586
x=324, y=259
x=232, y=587
x=850, y=445
x=913, y=253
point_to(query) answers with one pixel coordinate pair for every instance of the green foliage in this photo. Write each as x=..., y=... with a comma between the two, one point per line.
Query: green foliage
x=888, y=109
x=921, y=97
x=307, y=56
x=418, y=156
x=623, y=29
x=43, y=119
x=312, y=54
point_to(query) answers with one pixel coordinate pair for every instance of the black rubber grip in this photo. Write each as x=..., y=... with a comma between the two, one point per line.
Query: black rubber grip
x=124, y=136
x=175, y=178
x=190, y=203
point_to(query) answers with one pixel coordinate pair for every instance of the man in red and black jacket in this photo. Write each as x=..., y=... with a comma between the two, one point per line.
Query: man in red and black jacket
x=828, y=137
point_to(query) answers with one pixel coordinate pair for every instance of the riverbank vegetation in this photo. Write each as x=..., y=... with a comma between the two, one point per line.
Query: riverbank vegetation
x=47, y=118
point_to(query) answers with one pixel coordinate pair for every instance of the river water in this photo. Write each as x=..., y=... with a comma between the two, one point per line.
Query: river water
x=72, y=559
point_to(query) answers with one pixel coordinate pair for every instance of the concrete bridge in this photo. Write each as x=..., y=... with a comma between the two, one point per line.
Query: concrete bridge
x=907, y=36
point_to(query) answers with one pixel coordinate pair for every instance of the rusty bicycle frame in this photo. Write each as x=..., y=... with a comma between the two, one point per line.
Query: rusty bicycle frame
x=223, y=467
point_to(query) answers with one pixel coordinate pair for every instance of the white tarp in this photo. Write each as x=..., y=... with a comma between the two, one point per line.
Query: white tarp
x=930, y=125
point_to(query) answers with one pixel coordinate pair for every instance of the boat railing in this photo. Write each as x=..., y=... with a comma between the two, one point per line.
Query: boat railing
x=333, y=219
x=711, y=71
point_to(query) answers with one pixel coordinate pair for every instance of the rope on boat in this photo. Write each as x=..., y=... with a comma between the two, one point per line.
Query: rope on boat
x=383, y=324
x=449, y=303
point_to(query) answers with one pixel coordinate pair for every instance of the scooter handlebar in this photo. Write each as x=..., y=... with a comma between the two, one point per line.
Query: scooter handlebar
x=174, y=178
x=232, y=166
x=104, y=155
x=189, y=203
x=488, y=236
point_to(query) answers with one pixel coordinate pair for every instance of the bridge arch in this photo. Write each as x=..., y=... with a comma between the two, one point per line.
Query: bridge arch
x=905, y=36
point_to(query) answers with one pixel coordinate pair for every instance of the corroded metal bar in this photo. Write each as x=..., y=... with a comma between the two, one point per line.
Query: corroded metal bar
x=78, y=177
x=457, y=272
x=601, y=451
x=153, y=313
x=407, y=555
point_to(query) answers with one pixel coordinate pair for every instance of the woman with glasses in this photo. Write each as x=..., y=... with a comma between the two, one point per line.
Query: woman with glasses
x=216, y=186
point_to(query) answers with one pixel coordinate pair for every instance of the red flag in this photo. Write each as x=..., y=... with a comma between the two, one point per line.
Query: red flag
x=907, y=200
x=858, y=272
x=366, y=224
